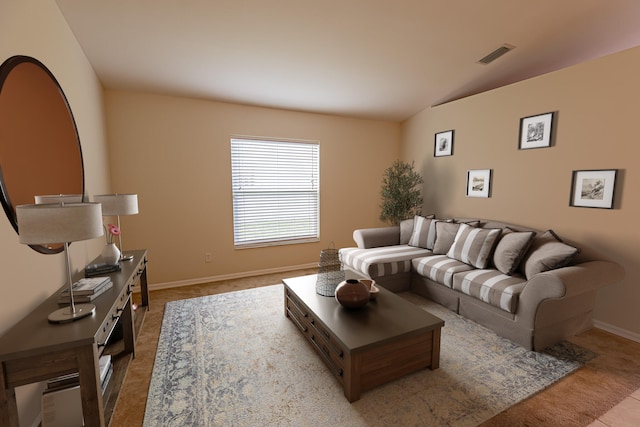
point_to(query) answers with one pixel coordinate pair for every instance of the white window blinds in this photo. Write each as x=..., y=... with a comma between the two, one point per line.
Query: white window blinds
x=276, y=191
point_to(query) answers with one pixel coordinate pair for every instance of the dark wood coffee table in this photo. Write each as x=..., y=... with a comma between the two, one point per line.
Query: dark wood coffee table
x=384, y=340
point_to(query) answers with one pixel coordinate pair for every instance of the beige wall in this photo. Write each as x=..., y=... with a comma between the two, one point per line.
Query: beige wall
x=36, y=28
x=175, y=154
x=597, y=128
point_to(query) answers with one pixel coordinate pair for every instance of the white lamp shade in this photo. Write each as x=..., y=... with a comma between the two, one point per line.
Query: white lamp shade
x=118, y=204
x=59, y=223
x=59, y=198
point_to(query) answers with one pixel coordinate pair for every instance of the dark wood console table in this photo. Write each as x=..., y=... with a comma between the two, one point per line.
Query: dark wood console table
x=35, y=350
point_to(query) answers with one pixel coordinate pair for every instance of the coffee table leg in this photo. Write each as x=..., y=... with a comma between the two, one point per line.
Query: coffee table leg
x=351, y=378
x=435, y=349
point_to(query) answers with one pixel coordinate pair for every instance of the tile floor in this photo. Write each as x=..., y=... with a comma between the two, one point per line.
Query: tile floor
x=625, y=414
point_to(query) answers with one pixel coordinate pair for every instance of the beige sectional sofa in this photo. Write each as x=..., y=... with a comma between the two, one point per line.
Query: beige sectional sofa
x=527, y=285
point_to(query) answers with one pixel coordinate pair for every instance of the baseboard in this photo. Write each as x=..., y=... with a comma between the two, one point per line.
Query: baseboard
x=241, y=275
x=617, y=331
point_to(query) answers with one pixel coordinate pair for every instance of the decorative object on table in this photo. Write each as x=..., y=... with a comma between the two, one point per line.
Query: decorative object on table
x=479, y=183
x=117, y=205
x=400, y=193
x=536, y=131
x=443, y=144
x=352, y=293
x=61, y=223
x=110, y=253
x=86, y=290
x=330, y=272
x=93, y=270
x=593, y=188
x=373, y=289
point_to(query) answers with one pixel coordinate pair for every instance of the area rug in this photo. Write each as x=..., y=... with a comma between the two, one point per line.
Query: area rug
x=234, y=359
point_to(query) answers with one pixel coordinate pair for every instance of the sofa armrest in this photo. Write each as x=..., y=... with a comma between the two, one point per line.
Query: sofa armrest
x=375, y=237
x=567, y=282
x=588, y=276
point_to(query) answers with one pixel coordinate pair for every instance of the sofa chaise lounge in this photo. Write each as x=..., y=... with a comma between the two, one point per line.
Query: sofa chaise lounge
x=527, y=285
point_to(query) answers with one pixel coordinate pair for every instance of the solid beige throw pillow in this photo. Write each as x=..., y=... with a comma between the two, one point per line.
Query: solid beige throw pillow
x=445, y=236
x=547, y=252
x=511, y=248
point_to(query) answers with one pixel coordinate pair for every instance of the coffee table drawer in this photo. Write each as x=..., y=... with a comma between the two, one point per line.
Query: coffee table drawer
x=321, y=340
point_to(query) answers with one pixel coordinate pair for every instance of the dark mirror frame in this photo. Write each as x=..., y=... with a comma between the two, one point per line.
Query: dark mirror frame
x=56, y=106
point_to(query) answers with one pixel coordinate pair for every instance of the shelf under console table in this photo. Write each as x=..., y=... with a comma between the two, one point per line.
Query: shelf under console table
x=35, y=350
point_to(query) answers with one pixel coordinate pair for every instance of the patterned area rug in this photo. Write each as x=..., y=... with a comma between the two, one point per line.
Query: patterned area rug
x=234, y=359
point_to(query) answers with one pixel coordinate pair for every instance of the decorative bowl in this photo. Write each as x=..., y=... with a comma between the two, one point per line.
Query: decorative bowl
x=352, y=293
x=373, y=289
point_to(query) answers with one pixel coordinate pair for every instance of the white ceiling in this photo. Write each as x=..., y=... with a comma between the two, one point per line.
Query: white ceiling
x=380, y=59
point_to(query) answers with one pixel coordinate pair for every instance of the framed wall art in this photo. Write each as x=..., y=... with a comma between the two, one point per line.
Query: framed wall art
x=536, y=131
x=593, y=188
x=443, y=144
x=479, y=183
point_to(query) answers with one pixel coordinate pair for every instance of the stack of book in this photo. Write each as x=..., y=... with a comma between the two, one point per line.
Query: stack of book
x=62, y=402
x=86, y=290
x=72, y=380
x=92, y=270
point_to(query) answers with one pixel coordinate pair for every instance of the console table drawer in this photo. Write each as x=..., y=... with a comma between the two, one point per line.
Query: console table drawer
x=111, y=320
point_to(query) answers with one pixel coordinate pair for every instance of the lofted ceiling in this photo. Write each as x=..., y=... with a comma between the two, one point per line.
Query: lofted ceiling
x=378, y=59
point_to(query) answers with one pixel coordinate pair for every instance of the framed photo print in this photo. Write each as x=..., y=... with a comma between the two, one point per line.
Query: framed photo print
x=479, y=183
x=593, y=188
x=536, y=131
x=443, y=144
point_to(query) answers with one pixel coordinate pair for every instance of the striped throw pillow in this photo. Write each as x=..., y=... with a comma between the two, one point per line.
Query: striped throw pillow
x=420, y=234
x=474, y=246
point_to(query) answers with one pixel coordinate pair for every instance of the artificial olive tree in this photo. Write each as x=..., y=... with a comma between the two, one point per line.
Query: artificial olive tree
x=401, y=197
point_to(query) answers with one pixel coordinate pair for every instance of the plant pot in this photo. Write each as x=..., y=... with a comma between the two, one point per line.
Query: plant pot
x=111, y=254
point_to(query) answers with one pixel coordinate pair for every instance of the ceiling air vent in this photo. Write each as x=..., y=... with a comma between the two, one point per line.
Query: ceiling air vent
x=496, y=54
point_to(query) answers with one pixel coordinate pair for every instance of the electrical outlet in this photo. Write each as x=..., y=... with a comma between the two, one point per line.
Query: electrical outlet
x=207, y=257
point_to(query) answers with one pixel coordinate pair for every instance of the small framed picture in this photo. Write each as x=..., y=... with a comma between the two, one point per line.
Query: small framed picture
x=479, y=183
x=443, y=144
x=593, y=188
x=536, y=131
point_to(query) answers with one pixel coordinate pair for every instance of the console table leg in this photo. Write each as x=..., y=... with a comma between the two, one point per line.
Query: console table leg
x=90, y=389
x=8, y=405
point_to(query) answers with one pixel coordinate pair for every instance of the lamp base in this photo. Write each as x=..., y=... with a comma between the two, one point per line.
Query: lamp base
x=65, y=314
x=124, y=257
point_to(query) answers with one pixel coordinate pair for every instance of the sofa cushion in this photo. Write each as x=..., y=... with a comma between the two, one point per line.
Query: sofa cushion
x=511, y=248
x=406, y=229
x=439, y=268
x=547, y=252
x=491, y=286
x=474, y=246
x=381, y=261
x=421, y=229
x=445, y=235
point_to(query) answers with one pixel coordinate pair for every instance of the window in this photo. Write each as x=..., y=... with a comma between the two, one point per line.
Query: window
x=276, y=191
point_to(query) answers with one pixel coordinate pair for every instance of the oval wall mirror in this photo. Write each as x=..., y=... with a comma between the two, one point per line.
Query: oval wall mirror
x=40, y=151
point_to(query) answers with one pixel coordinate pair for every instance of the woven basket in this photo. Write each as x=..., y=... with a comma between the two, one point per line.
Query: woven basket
x=330, y=272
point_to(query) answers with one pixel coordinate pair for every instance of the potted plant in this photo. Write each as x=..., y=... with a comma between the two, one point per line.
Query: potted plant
x=401, y=198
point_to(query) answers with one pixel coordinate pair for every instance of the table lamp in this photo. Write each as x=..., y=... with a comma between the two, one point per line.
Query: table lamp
x=61, y=223
x=118, y=204
x=58, y=198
